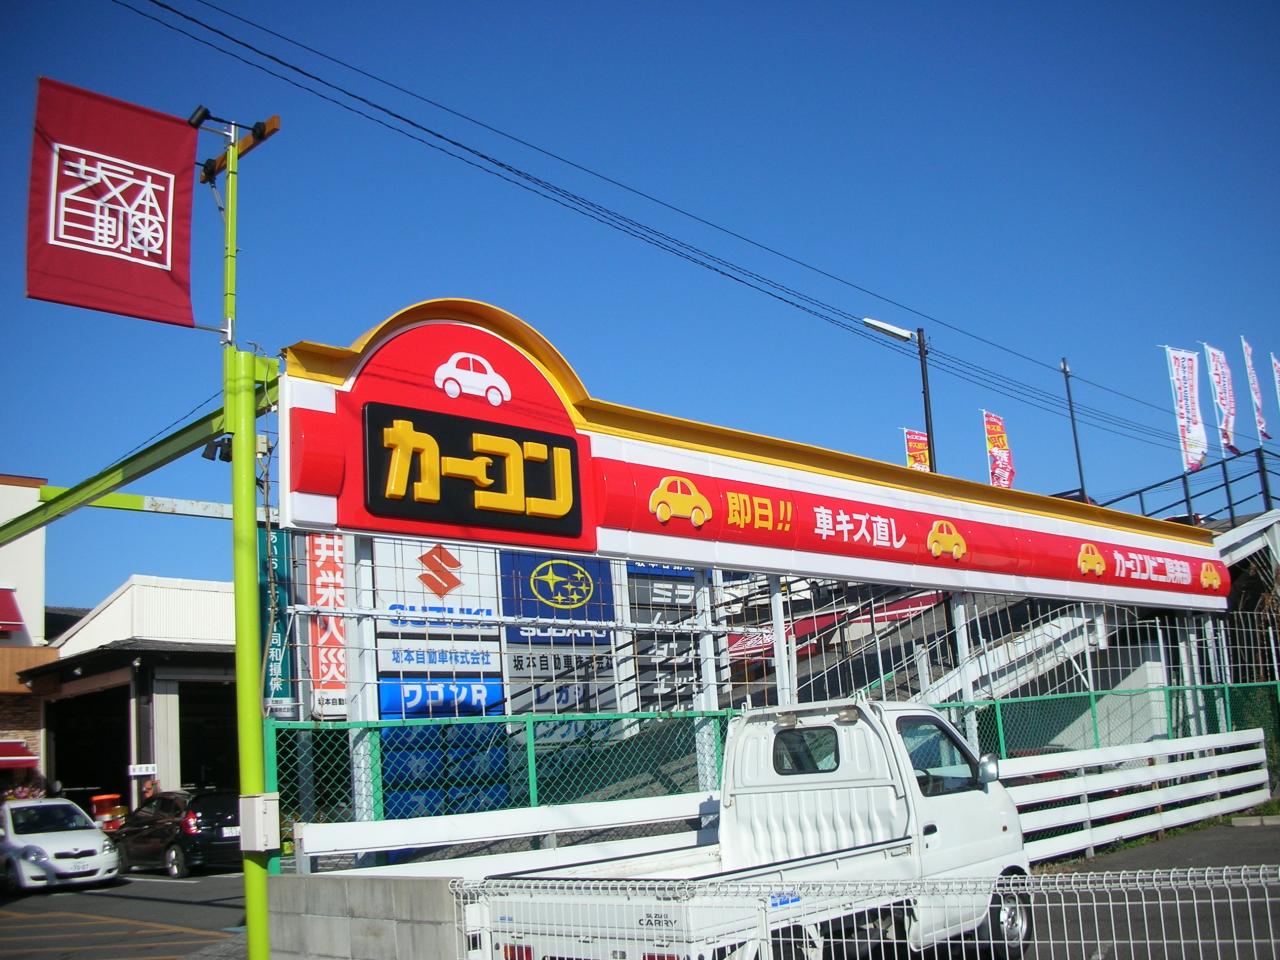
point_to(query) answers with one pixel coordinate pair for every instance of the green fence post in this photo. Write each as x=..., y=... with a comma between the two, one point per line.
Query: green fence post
x=375, y=768
x=722, y=722
x=1004, y=752
x=272, y=780
x=1093, y=716
x=1226, y=707
x=531, y=760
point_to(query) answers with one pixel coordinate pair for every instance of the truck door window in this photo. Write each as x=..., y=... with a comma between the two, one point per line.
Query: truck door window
x=940, y=762
x=805, y=750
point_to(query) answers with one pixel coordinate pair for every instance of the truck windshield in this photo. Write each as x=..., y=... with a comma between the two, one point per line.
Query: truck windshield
x=940, y=763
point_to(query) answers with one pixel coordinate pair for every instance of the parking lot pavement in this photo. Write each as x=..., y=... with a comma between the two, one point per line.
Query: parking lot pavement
x=232, y=948
x=1218, y=846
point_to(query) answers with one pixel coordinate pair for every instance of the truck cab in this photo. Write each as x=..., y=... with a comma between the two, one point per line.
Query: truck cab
x=866, y=790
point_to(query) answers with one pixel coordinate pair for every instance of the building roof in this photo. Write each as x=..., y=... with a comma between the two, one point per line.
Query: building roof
x=123, y=653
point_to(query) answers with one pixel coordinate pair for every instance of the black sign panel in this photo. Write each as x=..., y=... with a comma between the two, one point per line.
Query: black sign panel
x=436, y=468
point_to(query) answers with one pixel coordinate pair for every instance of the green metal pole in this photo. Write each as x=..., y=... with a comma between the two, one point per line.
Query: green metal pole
x=1003, y=747
x=271, y=778
x=238, y=373
x=1093, y=714
x=531, y=758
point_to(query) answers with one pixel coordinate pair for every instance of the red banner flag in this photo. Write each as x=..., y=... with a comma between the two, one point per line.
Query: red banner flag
x=917, y=449
x=109, y=212
x=998, y=452
x=1224, y=399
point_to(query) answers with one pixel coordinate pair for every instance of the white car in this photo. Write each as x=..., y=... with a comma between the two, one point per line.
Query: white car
x=473, y=374
x=48, y=842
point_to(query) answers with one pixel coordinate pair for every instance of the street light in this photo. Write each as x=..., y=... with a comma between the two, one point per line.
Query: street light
x=898, y=333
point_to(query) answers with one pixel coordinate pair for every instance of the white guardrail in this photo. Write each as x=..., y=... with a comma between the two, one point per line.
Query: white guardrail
x=1112, y=793
x=1082, y=798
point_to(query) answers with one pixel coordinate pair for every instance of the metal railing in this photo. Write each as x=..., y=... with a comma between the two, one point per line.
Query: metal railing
x=1207, y=912
x=1223, y=490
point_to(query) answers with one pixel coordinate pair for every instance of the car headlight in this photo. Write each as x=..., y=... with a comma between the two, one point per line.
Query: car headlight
x=34, y=855
x=107, y=845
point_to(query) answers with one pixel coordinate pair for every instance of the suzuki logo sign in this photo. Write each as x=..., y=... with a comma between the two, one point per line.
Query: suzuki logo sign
x=440, y=578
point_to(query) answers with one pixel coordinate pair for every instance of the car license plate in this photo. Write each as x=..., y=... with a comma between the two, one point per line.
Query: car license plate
x=231, y=831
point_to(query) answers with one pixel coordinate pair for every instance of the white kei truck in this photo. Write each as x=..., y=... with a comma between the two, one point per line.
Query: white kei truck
x=879, y=796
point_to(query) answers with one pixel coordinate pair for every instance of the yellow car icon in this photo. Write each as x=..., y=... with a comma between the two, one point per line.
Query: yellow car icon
x=1210, y=579
x=944, y=538
x=1090, y=560
x=678, y=497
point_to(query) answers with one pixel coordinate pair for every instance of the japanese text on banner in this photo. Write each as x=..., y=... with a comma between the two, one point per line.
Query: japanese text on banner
x=326, y=589
x=1184, y=369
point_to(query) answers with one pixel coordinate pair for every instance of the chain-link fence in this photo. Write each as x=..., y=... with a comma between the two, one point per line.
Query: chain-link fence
x=348, y=771
x=345, y=771
x=410, y=679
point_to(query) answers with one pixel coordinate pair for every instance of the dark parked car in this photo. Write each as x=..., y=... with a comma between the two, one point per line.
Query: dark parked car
x=181, y=832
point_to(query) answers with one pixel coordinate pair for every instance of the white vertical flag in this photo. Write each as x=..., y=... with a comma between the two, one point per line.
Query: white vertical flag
x=1255, y=391
x=1184, y=372
x=1224, y=399
x=1275, y=373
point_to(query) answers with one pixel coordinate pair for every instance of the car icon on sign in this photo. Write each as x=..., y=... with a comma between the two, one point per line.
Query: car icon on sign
x=1210, y=579
x=945, y=538
x=472, y=374
x=1090, y=560
x=678, y=497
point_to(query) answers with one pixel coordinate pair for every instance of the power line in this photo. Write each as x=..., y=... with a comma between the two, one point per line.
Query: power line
x=674, y=208
x=962, y=369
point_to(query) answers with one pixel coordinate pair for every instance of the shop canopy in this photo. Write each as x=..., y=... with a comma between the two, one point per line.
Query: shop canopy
x=14, y=755
x=456, y=421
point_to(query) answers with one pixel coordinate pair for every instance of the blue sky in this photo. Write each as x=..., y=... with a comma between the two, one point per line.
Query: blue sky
x=1087, y=180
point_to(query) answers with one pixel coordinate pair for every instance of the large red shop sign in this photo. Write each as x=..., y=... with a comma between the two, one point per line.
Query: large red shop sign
x=455, y=420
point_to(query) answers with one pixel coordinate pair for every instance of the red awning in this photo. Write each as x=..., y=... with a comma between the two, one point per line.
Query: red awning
x=14, y=754
x=901, y=609
x=10, y=617
x=758, y=644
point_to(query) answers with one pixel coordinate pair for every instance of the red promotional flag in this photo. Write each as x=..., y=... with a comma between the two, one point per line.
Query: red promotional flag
x=917, y=448
x=999, y=455
x=109, y=213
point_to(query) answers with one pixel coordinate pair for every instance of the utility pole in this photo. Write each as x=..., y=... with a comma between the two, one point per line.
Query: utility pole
x=928, y=406
x=906, y=336
x=241, y=371
x=1075, y=435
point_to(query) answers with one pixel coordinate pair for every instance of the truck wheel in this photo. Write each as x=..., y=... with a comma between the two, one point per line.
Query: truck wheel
x=1007, y=929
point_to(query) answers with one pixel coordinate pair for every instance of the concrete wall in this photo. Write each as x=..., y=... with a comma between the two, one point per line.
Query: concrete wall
x=21, y=719
x=361, y=918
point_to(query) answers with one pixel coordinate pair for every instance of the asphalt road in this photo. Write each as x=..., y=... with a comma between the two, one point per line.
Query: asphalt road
x=145, y=916
x=1218, y=846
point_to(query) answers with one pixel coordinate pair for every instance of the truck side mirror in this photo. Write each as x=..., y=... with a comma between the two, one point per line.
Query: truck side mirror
x=988, y=769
